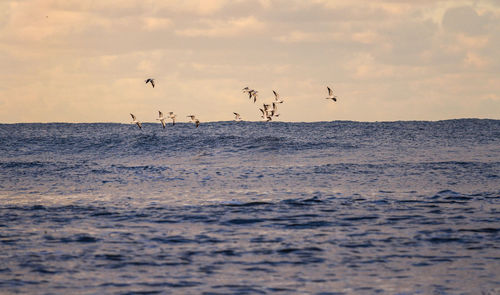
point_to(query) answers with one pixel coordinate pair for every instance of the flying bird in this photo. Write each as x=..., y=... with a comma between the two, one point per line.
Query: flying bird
x=237, y=116
x=253, y=93
x=331, y=95
x=135, y=121
x=277, y=97
x=150, y=80
x=265, y=115
x=275, y=110
x=172, y=116
x=161, y=118
x=193, y=118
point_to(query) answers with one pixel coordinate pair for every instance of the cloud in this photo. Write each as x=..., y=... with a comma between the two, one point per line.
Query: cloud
x=223, y=28
x=465, y=20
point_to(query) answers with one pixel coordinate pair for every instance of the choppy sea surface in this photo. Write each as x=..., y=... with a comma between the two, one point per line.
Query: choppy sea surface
x=251, y=208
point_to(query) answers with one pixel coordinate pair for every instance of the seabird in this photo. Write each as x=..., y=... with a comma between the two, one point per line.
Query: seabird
x=135, y=121
x=331, y=95
x=161, y=118
x=253, y=94
x=150, y=80
x=275, y=110
x=237, y=116
x=265, y=115
x=277, y=97
x=193, y=118
x=172, y=116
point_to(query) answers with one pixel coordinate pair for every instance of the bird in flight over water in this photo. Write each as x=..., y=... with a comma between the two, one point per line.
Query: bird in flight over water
x=161, y=118
x=172, y=116
x=150, y=80
x=331, y=95
x=135, y=121
x=277, y=97
x=237, y=116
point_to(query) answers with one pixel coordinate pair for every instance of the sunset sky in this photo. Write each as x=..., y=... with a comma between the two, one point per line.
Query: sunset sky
x=86, y=61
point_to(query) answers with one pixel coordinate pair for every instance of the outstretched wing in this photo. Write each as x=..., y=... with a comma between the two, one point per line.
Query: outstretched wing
x=133, y=117
x=330, y=92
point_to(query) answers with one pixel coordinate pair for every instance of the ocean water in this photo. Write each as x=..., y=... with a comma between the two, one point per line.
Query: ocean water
x=251, y=208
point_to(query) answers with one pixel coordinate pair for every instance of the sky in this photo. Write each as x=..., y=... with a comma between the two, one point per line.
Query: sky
x=387, y=60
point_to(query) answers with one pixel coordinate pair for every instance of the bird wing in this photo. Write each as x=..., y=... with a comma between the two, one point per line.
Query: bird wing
x=197, y=122
x=329, y=91
x=153, y=83
x=133, y=117
x=276, y=95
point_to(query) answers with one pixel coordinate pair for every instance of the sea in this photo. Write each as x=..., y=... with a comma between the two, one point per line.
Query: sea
x=341, y=207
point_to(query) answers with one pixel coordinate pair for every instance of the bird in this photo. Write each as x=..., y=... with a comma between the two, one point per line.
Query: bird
x=161, y=118
x=253, y=93
x=172, y=116
x=275, y=110
x=237, y=116
x=193, y=118
x=150, y=80
x=277, y=97
x=135, y=121
x=331, y=95
x=265, y=115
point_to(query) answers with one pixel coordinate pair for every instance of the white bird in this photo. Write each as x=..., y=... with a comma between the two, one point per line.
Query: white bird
x=253, y=93
x=331, y=95
x=237, y=116
x=172, y=116
x=135, y=121
x=150, y=80
x=265, y=115
x=161, y=118
x=277, y=97
x=275, y=110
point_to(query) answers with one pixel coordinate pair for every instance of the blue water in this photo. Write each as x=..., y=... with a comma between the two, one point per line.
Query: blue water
x=251, y=208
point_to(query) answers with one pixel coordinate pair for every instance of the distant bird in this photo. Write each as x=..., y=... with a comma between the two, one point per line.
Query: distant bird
x=277, y=97
x=172, y=116
x=193, y=118
x=265, y=115
x=331, y=95
x=161, y=118
x=253, y=93
x=275, y=110
x=237, y=116
x=150, y=80
x=135, y=121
